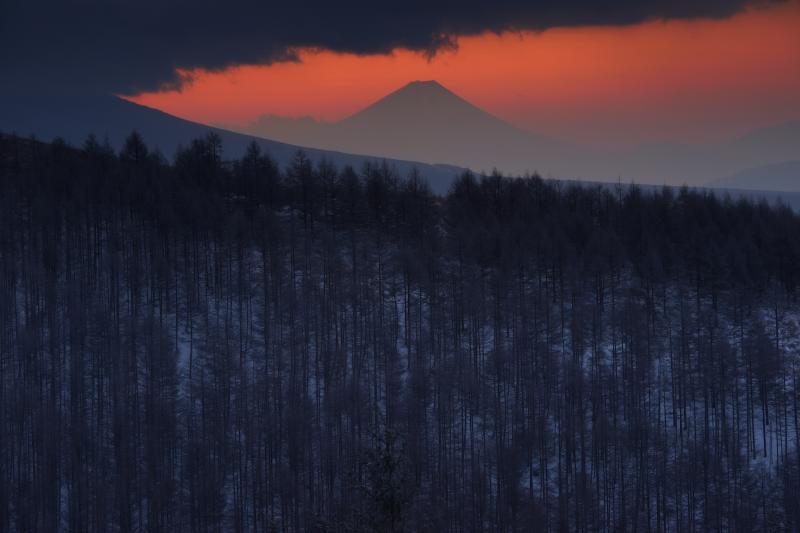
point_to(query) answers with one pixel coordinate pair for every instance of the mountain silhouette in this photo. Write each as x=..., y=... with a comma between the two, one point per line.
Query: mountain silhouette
x=425, y=108
x=427, y=122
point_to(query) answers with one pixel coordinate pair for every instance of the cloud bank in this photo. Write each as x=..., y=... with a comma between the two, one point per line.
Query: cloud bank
x=131, y=46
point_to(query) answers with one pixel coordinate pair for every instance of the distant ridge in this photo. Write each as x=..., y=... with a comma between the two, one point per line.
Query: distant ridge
x=425, y=121
x=778, y=177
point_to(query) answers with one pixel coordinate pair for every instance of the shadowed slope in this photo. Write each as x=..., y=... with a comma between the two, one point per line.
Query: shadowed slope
x=73, y=118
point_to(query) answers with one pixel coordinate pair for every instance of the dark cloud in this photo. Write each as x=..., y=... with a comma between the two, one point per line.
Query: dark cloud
x=127, y=46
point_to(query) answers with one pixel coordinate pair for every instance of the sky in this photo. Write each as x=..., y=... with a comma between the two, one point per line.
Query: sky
x=689, y=79
x=599, y=71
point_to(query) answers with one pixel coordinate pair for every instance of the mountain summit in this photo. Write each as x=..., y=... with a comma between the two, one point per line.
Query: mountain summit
x=419, y=97
x=425, y=104
x=423, y=89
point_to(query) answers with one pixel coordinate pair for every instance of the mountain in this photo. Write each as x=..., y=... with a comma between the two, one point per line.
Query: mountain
x=780, y=142
x=779, y=177
x=74, y=117
x=425, y=121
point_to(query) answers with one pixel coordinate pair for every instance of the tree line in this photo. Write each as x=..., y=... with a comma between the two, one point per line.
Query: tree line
x=207, y=345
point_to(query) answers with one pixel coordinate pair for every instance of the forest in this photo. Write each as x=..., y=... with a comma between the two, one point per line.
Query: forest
x=207, y=345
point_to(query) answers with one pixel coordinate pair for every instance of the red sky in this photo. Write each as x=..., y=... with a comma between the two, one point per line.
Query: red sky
x=691, y=81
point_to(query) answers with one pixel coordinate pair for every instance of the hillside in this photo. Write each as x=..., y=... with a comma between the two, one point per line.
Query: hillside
x=74, y=117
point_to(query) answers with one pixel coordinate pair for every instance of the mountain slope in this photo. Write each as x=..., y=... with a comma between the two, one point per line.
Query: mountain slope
x=779, y=177
x=73, y=118
x=780, y=142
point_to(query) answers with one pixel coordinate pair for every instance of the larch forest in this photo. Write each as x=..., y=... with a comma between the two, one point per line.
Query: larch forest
x=206, y=345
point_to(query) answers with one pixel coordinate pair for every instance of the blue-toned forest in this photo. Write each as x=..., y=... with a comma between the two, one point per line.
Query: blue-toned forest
x=205, y=345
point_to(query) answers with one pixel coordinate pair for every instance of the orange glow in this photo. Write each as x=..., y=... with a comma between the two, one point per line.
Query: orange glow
x=690, y=80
